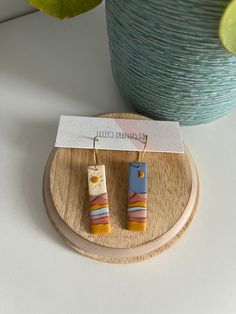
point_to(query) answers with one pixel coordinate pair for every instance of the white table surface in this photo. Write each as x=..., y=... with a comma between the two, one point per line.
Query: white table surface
x=48, y=68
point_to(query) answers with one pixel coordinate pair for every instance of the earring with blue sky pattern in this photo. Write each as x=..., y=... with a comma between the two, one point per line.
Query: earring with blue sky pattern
x=137, y=193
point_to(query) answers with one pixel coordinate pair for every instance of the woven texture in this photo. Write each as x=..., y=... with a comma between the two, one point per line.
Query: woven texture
x=167, y=59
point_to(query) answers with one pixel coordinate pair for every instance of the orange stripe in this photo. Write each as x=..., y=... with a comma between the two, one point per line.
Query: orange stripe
x=93, y=207
x=138, y=204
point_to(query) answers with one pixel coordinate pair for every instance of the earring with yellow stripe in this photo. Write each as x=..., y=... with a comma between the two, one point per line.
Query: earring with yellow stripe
x=137, y=194
x=98, y=198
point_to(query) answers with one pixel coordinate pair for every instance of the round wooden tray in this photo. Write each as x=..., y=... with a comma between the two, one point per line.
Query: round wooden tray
x=173, y=192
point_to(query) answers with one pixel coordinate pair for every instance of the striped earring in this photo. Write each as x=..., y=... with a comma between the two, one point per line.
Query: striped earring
x=98, y=198
x=137, y=193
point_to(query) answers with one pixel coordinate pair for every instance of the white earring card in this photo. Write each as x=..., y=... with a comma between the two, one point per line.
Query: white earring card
x=119, y=134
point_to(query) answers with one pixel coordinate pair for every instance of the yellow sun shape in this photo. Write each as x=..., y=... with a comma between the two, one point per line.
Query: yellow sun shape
x=94, y=179
x=141, y=174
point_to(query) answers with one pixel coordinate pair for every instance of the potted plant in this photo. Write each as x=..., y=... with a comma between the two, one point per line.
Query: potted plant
x=167, y=55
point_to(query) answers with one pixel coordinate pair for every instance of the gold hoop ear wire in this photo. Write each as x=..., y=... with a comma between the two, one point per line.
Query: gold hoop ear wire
x=142, y=153
x=95, y=153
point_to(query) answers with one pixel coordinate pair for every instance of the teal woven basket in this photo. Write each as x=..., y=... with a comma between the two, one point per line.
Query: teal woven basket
x=167, y=59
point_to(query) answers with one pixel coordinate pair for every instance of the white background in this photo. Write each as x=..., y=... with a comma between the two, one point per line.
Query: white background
x=49, y=68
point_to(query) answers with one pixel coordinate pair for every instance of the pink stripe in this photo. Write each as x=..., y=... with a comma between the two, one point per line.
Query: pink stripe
x=138, y=214
x=104, y=220
x=93, y=197
x=137, y=219
x=99, y=201
x=130, y=193
x=138, y=198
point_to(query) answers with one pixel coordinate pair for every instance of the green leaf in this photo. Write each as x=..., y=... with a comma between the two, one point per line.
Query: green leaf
x=227, y=30
x=64, y=8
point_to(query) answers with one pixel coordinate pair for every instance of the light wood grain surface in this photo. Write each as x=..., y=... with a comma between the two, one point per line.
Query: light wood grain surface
x=170, y=195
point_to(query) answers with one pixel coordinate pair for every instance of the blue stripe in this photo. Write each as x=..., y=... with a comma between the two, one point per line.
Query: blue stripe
x=99, y=211
x=131, y=209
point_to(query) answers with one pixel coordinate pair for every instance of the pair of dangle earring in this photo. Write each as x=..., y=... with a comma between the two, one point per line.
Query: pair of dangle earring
x=137, y=195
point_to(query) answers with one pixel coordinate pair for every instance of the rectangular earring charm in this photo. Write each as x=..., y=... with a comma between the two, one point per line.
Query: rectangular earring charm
x=137, y=198
x=98, y=198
